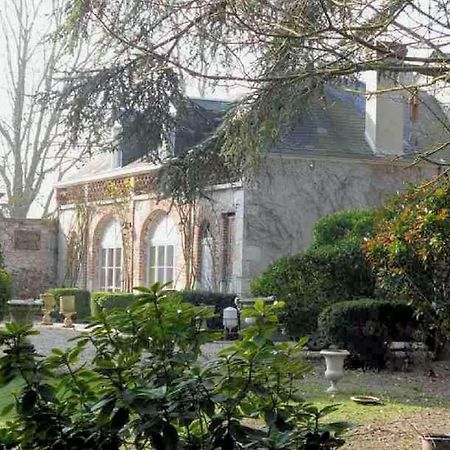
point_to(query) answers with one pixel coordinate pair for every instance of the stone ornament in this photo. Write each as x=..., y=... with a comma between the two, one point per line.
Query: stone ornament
x=67, y=308
x=48, y=301
x=334, y=360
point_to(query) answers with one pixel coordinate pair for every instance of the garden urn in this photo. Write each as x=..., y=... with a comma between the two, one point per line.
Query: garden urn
x=67, y=308
x=230, y=322
x=334, y=360
x=48, y=301
x=21, y=311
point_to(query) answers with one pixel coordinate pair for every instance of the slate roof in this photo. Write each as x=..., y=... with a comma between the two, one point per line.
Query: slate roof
x=197, y=123
x=203, y=117
x=332, y=123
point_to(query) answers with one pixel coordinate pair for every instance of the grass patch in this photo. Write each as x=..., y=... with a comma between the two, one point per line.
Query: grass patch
x=7, y=397
x=401, y=396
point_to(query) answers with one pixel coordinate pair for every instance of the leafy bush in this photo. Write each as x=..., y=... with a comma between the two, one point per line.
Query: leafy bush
x=411, y=256
x=109, y=300
x=218, y=300
x=308, y=282
x=365, y=326
x=148, y=387
x=82, y=300
x=348, y=225
x=334, y=268
x=5, y=291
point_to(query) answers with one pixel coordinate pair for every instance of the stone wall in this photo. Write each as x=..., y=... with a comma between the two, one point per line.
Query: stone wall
x=292, y=193
x=29, y=247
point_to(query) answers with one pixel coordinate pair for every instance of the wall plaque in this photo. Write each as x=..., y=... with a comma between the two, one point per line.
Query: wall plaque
x=27, y=240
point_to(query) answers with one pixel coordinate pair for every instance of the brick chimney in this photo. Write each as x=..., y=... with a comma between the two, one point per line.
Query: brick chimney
x=384, y=110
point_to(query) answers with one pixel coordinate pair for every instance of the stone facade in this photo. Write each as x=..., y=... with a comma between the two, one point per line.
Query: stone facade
x=250, y=225
x=137, y=212
x=29, y=247
x=293, y=192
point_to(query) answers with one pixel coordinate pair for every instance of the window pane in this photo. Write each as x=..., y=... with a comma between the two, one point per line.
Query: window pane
x=118, y=281
x=152, y=258
x=103, y=257
x=151, y=278
x=102, y=279
x=118, y=261
x=109, y=277
x=169, y=274
x=109, y=257
x=161, y=261
x=169, y=256
x=161, y=274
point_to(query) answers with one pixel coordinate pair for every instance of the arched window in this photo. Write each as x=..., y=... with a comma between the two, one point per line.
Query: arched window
x=206, y=260
x=162, y=243
x=111, y=257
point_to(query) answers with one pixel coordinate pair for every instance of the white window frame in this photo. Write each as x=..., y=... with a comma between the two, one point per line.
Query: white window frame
x=111, y=262
x=153, y=270
x=158, y=250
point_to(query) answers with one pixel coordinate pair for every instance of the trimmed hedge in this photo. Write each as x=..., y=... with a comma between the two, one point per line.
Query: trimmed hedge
x=343, y=226
x=365, y=327
x=5, y=291
x=309, y=282
x=82, y=301
x=110, y=300
x=216, y=299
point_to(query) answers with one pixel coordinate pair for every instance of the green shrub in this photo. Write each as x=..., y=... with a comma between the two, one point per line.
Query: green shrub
x=365, y=326
x=147, y=386
x=308, y=282
x=348, y=225
x=82, y=300
x=109, y=300
x=410, y=255
x=216, y=299
x=5, y=291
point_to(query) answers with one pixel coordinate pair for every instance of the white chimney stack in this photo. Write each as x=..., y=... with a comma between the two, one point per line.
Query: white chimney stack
x=384, y=111
x=116, y=155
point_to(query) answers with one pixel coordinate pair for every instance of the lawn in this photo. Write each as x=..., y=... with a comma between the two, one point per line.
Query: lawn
x=413, y=403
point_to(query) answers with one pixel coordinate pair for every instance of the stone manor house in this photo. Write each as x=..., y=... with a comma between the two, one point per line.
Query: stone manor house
x=344, y=151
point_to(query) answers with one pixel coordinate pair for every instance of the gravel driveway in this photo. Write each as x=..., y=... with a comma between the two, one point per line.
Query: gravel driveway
x=58, y=337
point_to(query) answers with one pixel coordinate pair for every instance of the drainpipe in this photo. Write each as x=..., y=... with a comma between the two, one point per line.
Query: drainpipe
x=133, y=240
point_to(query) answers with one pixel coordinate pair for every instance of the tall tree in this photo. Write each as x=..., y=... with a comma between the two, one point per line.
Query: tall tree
x=34, y=148
x=280, y=50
